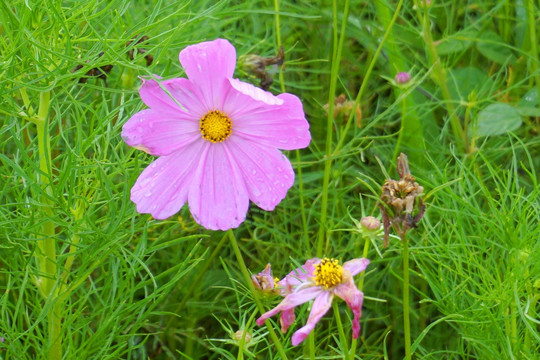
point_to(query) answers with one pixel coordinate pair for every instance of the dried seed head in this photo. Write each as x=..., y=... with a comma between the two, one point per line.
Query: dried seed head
x=401, y=202
x=255, y=65
x=344, y=107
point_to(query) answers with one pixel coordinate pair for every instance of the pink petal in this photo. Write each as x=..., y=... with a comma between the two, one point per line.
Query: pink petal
x=354, y=298
x=183, y=97
x=268, y=174
x=356, y=266
x=320, y=307
x=207, y=64
x=218, y=198
x=291, y=301
x=162, y=188
x=286, y=319
x=298, y=276
x=159, y=133
x=255, y=92
x=262, y=119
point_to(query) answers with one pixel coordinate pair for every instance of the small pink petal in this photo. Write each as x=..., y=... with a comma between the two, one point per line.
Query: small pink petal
x=354, y=298
x=298, y=276
x=266, y=122
x=206, y=64
x=161, y=189
x=320, y=307
x=158, y=133
x=356, y=266
x=291, y=301
x=286, y=319
x=173, y=96
x=218, y=198
x=268, y=174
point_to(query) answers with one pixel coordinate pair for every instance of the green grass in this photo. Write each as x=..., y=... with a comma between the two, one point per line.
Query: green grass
x=125, y=286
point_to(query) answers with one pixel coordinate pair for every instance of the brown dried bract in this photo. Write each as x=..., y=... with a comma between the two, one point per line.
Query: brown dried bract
x=401, y=203
x=256, y=66
x=97, y=72
x=342, y=106
x=131, y=52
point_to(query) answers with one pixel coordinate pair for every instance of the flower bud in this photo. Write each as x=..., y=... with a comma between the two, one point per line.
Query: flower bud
x=370, y=223
x=402, y=78
x=242, y=334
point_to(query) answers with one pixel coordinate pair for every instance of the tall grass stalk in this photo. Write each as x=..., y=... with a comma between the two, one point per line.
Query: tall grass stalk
x=365, y=82
x=296, y=152
x=439, y=75
x=334, y=71
x=533, y=47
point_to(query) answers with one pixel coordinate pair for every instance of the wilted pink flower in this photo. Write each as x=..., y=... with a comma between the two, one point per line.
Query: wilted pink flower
x=320, y=280
x=218, y=139
x=264, y=280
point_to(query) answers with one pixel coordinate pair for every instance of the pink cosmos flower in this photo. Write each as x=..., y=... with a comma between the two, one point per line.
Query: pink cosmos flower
x=218, y=140
x=320, y=280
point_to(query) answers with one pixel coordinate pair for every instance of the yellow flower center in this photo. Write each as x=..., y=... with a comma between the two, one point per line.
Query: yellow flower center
x=328, y=273
x=215, y=126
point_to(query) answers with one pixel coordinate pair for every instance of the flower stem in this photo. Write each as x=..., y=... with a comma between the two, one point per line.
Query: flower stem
x=297, y=152
x=46, y=254
x=247, y=279
x=358, y=99
x=439, y=75
x=311, y=338
x=367, y=241
x=340, y=329
x=278, y=41
x=533, y=45
x=406, y=310
x=336, y=58
x=171, y=342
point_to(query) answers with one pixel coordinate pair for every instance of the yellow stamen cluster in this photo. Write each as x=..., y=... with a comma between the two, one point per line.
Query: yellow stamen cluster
x=328, y=273
x=215, y=126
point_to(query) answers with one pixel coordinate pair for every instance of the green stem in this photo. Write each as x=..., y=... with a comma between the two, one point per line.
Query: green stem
x=439, y=75
x=249, y=283
x=411, y=130
x=336, y=58
x=196, y=282
x=340, y=328
x=533, y=49
x=366, y=78
x=46, y=254
x=365, y=252
x=311, y=339
x=406, y=309
x=278, y=40
x=367, y=242
x=297, y=152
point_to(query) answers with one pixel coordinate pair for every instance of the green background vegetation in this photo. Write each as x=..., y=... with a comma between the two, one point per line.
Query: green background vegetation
x=130, y=287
